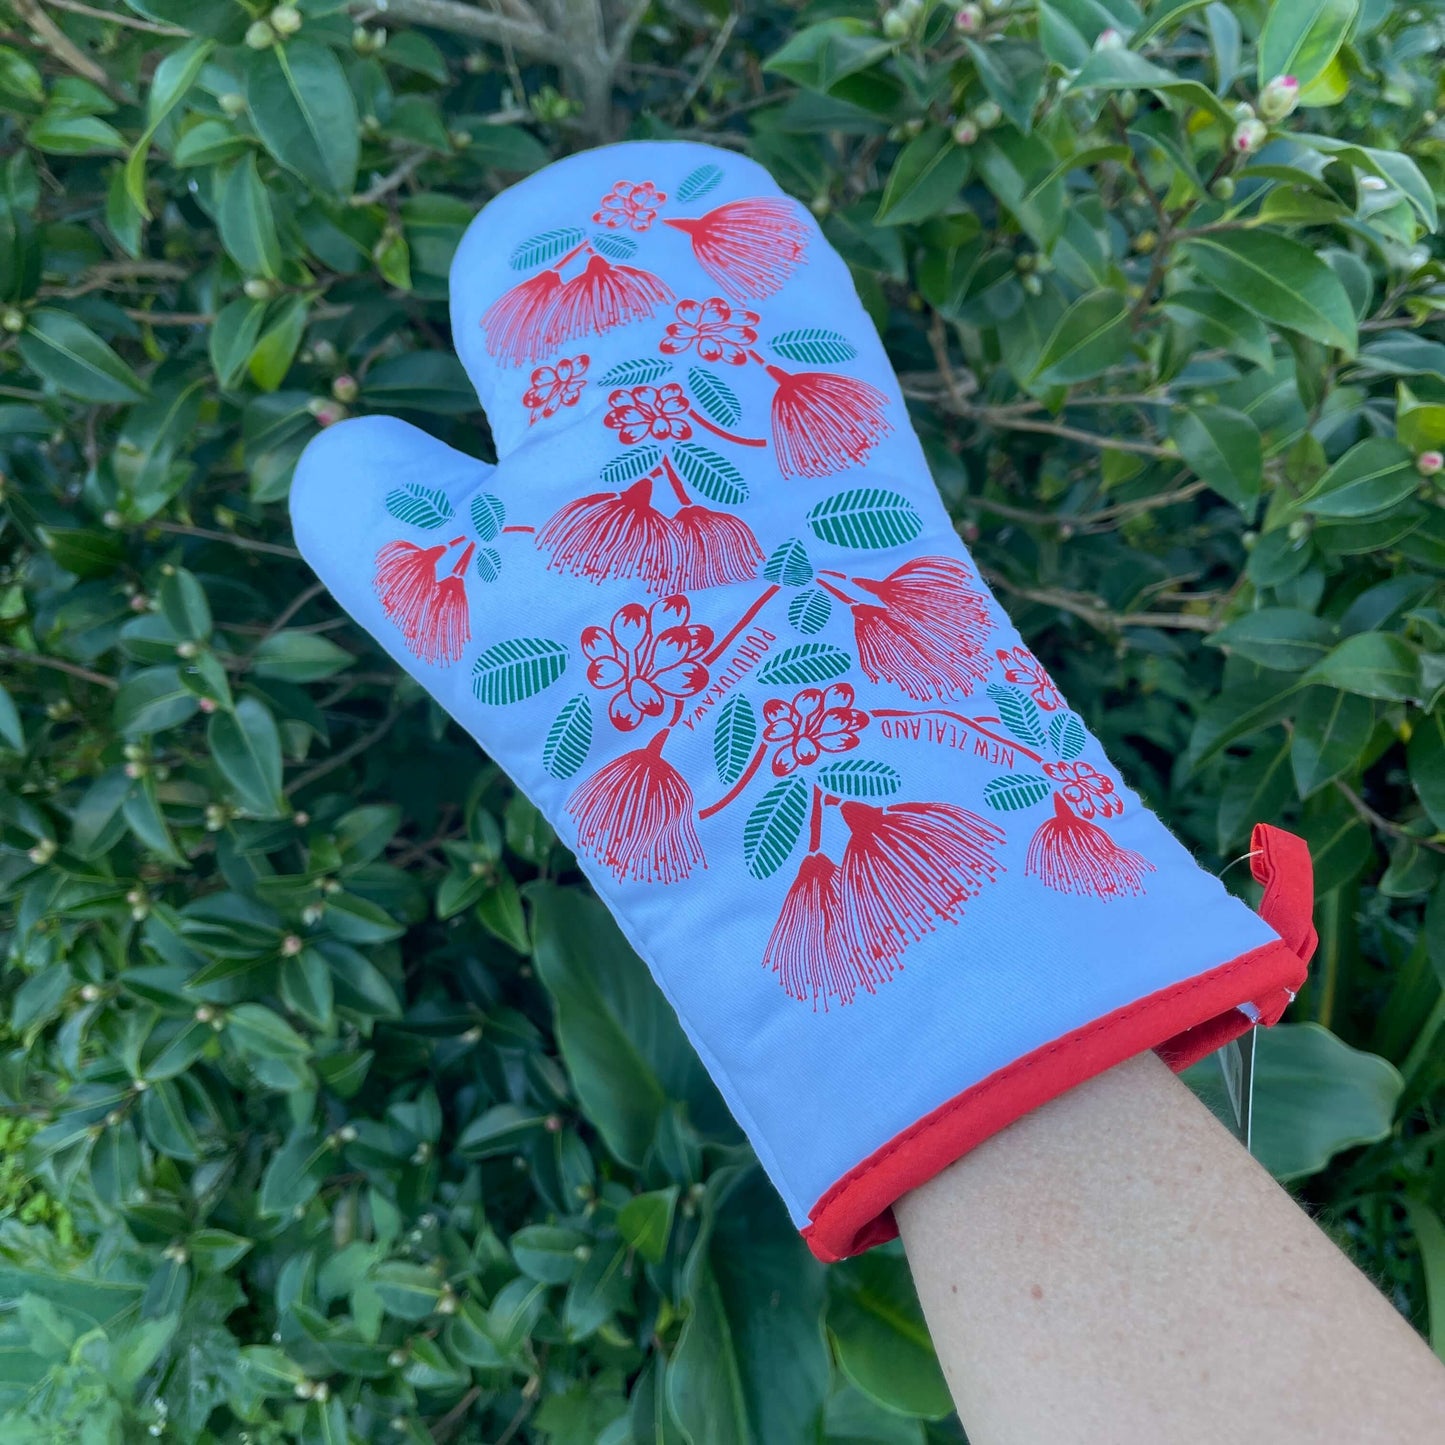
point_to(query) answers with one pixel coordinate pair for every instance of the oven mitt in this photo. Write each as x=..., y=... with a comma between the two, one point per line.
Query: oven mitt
x=710, y=614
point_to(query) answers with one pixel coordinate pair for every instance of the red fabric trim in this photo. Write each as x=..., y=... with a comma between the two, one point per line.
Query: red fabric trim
x=856, y=1213
x=1281, y=862
x=1183, y=1022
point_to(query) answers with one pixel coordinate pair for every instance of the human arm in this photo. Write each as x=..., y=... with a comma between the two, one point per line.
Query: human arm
x=1115, y=1268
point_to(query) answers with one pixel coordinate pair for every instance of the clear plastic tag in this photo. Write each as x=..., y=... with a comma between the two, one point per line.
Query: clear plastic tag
x=1236, y=1063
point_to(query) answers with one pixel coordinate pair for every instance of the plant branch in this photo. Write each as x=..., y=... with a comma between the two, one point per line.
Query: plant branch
x=340, y=759
x=59, y=664
x=54, y=39
x=247, y=544
x=528, y=36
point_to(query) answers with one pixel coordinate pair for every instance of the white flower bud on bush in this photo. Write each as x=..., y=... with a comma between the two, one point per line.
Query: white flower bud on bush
x=1279, y=97
x=1248, y=136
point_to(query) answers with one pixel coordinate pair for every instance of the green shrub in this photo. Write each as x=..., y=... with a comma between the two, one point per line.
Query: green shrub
x=333, y=1108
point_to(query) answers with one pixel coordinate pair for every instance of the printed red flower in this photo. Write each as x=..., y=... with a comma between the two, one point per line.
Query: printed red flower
x=515, y=324
x=1074, y=856
x=1022, y=667
x=630, y=204
x=816, y=721
x=713, y=549
x=611, y=534
x=431, y=614
x=748, y=247
x=647, y=656
x=910, y=866
x=929, y=631
x=810, y=947
x=718, y=332
x=601, y=296
x=554, y=387
x=1089, y=791
x=634, y=816
x=658, y=413
x=823, y=423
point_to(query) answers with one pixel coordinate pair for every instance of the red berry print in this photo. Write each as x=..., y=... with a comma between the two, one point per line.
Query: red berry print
x=554, y=387
x=1021, y=667
x=815, y=722
x=646, y=658
x=1088, y=791
x=629, y=206
x=717, y=331
x=649, y=413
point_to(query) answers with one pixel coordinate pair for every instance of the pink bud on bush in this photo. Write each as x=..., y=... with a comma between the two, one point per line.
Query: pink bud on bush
x=1428, y=464
x=1248, y=136
x=965, y=133
x=968, y=19
x=344, y=388
x=1109, y=39
x=1279, y=97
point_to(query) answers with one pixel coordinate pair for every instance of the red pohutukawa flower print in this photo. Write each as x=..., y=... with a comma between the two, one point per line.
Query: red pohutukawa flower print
x=910, y=866
x=516, y=322
x=635, y=817
x=430, y=611
x=928, y=631
x=712, y=549
x=630, y=205
x=1022, y=667
x=816, y=721
x=1088, y=791
x=649, y=413
x=823, y=423
x=601, y=296
x=811, y=948
x=717, y=331
x=748, y=247
x=540, y=316
x=646, y=658
x=1075, y=856
x=612, y=534
x=554, y=387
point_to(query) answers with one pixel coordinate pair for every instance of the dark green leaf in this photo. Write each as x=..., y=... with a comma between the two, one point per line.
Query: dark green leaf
x=507, y=672
x=735, y=738
x=1283, y=638
x=774, y=826
x=1371, y=477
x=809, y=610
x=860, y=778
x=1223, y=446
x=1372, y=664
x=629, y=465
x=1012, y=73
x=569, y=739
x=866, y=517
x=1331, y=731
x=805, y=662
x=1302, y=37
x=74, y=360
x=1279, y=279
x=1091, y=336
x=1018, y=712
x=1016, y=790
x=545, y=246
x=716, y=398
x=789, y=565
x=713, y=475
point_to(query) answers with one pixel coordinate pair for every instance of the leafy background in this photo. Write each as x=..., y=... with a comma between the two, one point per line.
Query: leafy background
x=331, y=1106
